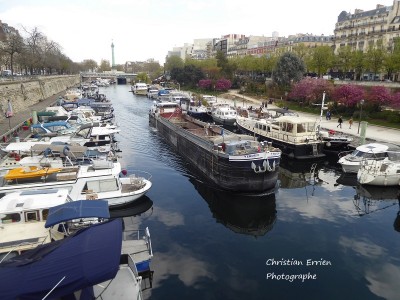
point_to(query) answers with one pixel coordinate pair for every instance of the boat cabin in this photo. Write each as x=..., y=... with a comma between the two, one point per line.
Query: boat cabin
x=289, y=128
x=22, y=218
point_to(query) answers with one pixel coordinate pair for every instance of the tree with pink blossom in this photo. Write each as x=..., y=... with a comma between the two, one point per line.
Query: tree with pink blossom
x=310, y=90
x=395, y=100
x=223, y=84
x=379, y=95
x=205, y=84
x=348, y=94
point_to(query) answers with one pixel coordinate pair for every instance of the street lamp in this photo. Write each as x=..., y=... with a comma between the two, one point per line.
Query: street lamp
x=361, y=106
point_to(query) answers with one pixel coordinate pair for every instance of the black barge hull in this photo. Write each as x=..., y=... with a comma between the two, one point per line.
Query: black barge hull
x=237, y=176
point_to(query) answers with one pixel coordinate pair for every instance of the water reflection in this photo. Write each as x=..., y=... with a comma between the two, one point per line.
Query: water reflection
x=133, y=209
x=295, y=174
x=370, y=199
x=245, y=214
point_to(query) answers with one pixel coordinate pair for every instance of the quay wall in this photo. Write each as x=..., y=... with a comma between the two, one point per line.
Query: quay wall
x=24, y=93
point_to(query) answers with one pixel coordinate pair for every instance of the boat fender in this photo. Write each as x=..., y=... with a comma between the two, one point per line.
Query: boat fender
x=124, y=172
x=66, y=150
x=47, y=152
x=17, y=157
x=328, y=144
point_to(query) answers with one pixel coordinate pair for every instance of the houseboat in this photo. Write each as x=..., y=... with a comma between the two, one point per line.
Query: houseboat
x=295, y=136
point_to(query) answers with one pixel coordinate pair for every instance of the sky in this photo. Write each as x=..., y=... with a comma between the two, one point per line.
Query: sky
x=144, y=29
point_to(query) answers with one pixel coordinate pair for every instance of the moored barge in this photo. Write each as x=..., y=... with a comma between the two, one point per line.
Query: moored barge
x=230, y=161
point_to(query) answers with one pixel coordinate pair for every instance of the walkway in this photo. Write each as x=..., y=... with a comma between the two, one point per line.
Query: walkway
x=373, y=133
x=9, y=128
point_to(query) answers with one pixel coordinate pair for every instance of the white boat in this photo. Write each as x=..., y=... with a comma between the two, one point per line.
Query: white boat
x=224, y=114
x=22, y=218
x=211, y=100
x=165, y=108
x=152, y=93
x=139, y=88
x=99, y=180
x=295, y=136
x=351, y=162
x=380, y=172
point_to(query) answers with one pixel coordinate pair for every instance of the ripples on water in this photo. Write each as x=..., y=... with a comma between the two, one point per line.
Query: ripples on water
x=209, y=244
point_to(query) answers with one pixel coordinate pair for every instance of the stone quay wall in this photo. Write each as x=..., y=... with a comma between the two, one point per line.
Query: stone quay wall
x=24, y=93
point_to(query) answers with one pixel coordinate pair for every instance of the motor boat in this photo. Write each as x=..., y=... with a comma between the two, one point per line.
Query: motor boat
x=351, y=161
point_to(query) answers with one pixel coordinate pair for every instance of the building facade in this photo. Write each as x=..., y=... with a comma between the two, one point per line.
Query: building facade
x=365, y=29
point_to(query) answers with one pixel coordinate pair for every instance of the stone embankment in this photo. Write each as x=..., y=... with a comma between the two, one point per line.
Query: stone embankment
x=25, y=93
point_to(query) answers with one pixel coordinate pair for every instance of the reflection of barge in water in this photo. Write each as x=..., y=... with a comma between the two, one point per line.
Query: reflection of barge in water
x=232, y=162
x=245, y=214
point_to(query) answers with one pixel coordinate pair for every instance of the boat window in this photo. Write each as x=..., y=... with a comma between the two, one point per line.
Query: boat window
x=311, y=127
x=301, y=128
x=10, y=218
x=97, y=186
x=394, y=156
x=83, y=133
x=31, y=216
x=45, y=214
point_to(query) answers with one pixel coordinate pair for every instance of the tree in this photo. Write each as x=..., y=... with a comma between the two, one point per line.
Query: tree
x=310, y=90
x=105, y=65
x=379, y=95
x=358, y=63
x=374, y=59
x=227, y=69
x=289, y=68
x=142, y=77
x=172, y=62
x=90, y=65
x=188, y=75
x=223, y=84
x=321, y=60
x=348, y=94
x=302, y=51
x=343, y=59
x=13, y=44
x=205, y=84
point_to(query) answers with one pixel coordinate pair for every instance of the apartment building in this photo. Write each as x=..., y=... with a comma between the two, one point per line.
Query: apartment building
x=364, y=29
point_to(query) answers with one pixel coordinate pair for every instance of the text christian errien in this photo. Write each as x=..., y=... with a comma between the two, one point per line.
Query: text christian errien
x=295, y=262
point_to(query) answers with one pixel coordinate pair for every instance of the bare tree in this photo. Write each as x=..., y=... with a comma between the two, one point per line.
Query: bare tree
x=10, y=47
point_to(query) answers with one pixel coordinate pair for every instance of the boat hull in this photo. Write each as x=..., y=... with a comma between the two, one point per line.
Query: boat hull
x=220, y=170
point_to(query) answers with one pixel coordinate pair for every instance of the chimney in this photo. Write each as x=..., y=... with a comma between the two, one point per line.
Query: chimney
x=357, y=11
x=379, y=6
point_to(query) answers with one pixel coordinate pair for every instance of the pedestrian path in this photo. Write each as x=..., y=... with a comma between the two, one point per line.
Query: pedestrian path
x=10, y=128
x=373, y=132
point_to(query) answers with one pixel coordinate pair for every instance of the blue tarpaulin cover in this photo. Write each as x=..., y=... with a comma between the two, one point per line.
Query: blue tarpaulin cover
x=76, y=210
x=89, y=257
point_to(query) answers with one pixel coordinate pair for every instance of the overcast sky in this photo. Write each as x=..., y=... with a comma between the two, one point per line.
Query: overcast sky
x=143, y=29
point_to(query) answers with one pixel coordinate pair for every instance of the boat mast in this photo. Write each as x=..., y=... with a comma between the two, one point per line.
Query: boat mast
x=322, y=111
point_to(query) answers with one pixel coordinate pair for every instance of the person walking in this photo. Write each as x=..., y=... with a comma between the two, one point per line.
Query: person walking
x=340, y=121
x=328, y=115
x=350, y=122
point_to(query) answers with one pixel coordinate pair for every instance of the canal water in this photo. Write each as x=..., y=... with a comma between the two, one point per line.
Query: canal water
x=318, y=236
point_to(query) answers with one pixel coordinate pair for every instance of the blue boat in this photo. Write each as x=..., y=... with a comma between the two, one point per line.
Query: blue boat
x=88, y=264
x=66, y=219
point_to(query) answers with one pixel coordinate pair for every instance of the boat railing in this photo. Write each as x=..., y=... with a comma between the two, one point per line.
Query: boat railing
x=139, y=234
x=21, y=245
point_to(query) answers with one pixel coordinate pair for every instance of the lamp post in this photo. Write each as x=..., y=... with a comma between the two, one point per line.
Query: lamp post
x=361, y=106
